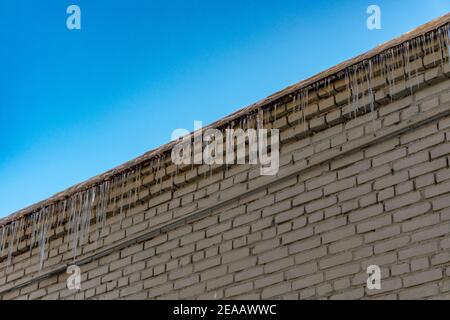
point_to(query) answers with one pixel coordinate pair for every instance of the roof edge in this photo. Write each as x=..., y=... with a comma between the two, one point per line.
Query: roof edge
x=155, y=153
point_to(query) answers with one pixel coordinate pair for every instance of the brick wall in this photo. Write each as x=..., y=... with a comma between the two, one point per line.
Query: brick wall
x=364, y=180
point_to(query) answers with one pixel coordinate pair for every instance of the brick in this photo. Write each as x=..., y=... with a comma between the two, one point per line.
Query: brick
x=422, y=277
x=389, y=157
x=346, y=160
x=440, y=258
x=382, y=233
x=289, y=215
x=269, y=280
x=436, y=190
x=342, y=271
x=274, y=255
x=434, y=232
x=419, y=292
x=302, y=270
x=405, y=187
x=354, y=192
x=304, y=245
x=373, y=174
x=426, y=143
x=338, y=234
x=417, y=250
x=411, y=161
x=400, y=269
x=239, y=289
x=297, y=235
x=258, y=204
x=440, y=151
x=419, y=264
x=339, y=185
x=441, y=202
x=418, y=134
x=290, y=192
x=420, y=222
x=212, y=262
x=320, y=204
x=276, y=290
x=391, y=180
x=218, y=229
x=391, y=244
x=307, y=281
x=219, y=282
x=278, y=265
x=310, y=255
x=320, y=181
x=411, y=211
x=400, y=104
x=356, y=168
x=427, y=167
x=353, y=294
x=335, y=260
x=403, y=200
x=345, y=244
x=442, y=175
x=379, y=260
x=192, y=291
x=381, y=148
x=373, y=224
x=306, y=197
x=330, y=224
x=385, y=194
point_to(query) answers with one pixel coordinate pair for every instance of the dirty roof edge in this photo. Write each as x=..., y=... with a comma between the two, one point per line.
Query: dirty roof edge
x=417, y=32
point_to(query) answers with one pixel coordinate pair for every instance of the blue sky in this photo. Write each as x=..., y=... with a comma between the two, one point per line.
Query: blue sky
x=74, y=104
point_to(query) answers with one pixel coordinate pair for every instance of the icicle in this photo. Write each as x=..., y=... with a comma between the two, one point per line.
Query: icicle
x=12, y=237
x=101, y=209
x=354, y=89
x=431, y=40
x=43, y=237
x=115, y=182
x=158, y=174
x=407, y=66
x=229, y=144
x=391, y=74
x=416, y=69
x=446, y=36
x=130, y=191
x=76, y=223
x=369, y=74
x=3, y=235
x=347, y=86
x=446, y=41
x=275, y=111
x=303, y=106
x=139, y=181
x=259, y=119
x=123, y=178
x=330, y=88
x=294, y=105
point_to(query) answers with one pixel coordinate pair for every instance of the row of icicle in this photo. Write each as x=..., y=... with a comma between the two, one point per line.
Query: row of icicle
x=359, y=77
x=88, y=208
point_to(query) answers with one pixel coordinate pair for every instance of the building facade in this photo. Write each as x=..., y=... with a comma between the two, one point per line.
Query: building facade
x=363, y=180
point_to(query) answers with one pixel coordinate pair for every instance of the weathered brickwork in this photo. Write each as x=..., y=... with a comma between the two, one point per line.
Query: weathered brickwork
x=360, y=183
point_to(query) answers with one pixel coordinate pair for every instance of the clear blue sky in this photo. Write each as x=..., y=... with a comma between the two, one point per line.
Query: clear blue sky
x=74, y=104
